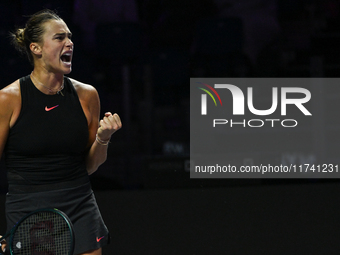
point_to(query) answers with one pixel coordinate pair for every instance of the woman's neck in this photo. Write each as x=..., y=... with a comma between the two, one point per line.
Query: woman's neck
x=50, y=83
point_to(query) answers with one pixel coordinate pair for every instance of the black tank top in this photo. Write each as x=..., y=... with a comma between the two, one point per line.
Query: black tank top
x=47, y=144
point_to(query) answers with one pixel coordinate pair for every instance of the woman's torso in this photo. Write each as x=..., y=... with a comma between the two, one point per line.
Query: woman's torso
x=47, y=143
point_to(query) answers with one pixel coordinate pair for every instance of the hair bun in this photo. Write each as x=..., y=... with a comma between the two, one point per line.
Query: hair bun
x=20, y=37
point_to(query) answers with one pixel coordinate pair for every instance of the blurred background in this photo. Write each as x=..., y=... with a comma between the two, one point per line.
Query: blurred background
x=140, y=54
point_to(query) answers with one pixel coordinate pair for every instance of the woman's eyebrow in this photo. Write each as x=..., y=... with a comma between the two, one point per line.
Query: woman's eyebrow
x=63, y=33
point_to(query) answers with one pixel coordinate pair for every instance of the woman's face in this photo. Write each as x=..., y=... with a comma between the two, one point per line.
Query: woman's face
x=57, y=47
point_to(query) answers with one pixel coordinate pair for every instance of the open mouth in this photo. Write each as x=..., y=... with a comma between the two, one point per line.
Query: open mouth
x=66, y=58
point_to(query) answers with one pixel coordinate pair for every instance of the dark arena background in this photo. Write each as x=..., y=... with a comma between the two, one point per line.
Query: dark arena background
x=140, y=55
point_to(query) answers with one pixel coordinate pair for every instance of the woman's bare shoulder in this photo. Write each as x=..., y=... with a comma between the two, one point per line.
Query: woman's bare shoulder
x=85, y=91
x=10, y=93
x=10, y=103
x=82, y=87
x=87, y=94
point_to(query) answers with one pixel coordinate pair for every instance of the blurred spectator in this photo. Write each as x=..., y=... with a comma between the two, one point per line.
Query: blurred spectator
x=89, y=13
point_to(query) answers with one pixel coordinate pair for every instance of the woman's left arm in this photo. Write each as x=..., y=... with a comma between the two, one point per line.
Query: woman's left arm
x=98, y=151
x=100, y=132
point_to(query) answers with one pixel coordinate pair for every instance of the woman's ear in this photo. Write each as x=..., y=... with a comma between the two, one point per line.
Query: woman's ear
x=35, y=48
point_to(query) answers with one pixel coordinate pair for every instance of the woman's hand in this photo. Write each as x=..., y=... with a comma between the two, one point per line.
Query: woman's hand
x=3, y=245
x=98, y=151
x=108, y=125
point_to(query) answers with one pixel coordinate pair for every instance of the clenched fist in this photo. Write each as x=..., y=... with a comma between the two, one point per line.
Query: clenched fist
x=108, y=125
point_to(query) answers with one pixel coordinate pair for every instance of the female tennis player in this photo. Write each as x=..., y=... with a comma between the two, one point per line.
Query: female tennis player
x=51, y=135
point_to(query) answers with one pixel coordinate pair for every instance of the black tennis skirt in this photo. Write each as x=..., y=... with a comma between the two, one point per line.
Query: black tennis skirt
x=78, y=203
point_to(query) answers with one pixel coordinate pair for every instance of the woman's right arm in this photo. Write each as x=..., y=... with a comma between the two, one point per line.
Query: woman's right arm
x=10, y=105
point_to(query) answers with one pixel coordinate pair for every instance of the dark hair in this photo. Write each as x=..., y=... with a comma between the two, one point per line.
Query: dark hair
x=33, y=31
